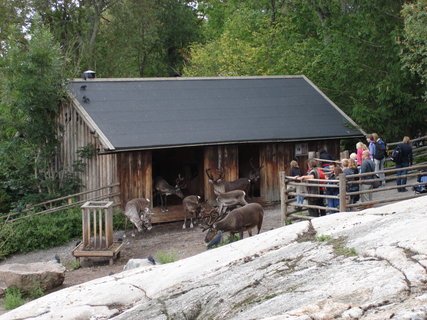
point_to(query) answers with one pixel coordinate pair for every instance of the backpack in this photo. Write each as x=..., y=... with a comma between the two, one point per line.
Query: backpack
x=380, y=150
x=423, y=187
x=396, y=155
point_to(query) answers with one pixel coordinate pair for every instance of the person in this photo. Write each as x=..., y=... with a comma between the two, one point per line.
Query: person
x=353, y=156
x=360, y=147
x=367, y=166
x=371, y=146
x=324, y=155
x=333, y=203
x=350, y=168
x=314, y=173
x=379, y=156
x=296, y=172
x=404, y=161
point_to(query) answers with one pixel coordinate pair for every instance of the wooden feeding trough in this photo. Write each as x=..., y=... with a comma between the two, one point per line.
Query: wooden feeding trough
x=97, y=227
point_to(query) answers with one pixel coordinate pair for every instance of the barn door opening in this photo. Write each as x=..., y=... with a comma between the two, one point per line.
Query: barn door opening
x=169, y=163
x=248, y=160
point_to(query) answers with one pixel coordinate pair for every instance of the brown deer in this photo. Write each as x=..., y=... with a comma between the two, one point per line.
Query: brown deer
x=164, y=189
x=225, y=186
x=253, y=176
x=138, y=212
x=230, y=199
x=239, y=220
x=192, y=208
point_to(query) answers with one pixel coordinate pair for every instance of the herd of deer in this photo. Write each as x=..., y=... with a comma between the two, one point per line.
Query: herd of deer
x=232, y=214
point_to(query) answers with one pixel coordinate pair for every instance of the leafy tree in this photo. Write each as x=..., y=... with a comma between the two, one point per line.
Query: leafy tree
x=32, y=74
x=414, y=56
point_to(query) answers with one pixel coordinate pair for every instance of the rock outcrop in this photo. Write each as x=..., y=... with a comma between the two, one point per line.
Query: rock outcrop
x=46, y=275
x=355, y=265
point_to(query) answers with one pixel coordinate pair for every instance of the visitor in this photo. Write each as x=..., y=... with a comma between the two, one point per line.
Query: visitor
x=403, y=161
x=367, y=166
x=314, y=173
x=296, y=173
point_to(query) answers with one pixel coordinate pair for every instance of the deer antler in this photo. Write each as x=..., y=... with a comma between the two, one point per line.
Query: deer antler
x=208, y=174
x=221, y=174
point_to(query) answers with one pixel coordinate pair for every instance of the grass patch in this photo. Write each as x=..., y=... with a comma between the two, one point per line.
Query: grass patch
x=13, y=298
x=72, y=265
x=338, y=245
x=166, y=257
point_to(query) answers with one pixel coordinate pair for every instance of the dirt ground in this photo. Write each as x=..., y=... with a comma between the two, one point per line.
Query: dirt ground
x=163, y=238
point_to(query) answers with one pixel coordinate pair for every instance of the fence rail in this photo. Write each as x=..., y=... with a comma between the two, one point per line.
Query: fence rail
x=289, y=185
x=55, y=205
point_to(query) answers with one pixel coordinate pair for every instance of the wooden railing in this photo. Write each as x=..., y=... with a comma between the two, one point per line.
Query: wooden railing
x=288, y=190
x=51, y=206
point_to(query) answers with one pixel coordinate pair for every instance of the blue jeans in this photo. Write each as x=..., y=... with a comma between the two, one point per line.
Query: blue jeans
x=333, y=203
x=300, y=199
x=401, y=181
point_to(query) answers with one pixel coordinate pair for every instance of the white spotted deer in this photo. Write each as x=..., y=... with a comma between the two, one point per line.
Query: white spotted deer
x=164, y=189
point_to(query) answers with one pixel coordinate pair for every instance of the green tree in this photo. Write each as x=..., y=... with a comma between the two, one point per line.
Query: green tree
x=32, y=89
x=414, y=55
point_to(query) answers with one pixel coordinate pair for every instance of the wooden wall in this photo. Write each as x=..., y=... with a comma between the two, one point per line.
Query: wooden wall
x=100, y=170
x=135, y=175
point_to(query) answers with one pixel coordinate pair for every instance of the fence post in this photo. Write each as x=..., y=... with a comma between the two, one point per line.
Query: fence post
x=342, y=192
x=283, y=197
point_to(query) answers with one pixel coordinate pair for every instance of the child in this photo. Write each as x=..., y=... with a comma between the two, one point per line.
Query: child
x=333, y=203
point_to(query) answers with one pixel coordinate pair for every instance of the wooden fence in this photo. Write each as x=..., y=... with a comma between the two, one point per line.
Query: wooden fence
x=289, y=186
x=64, y=203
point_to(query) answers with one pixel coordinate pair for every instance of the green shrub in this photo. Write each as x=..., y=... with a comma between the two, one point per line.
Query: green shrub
x=13, y=298
x=36, y=292
x=40, y=232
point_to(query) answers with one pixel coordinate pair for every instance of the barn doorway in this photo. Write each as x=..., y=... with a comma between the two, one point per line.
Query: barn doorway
x=187, y=162
x=249, y=159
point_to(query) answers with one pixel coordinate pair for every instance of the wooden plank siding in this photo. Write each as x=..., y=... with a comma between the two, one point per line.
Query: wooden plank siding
x=100, y=170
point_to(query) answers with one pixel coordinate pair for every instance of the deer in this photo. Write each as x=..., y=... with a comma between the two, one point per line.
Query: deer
x=238, y=220
x=230, y=199
x=138, y=212
x=221, y=187
x=192, y=208
x=253, y=176
x=164, y=189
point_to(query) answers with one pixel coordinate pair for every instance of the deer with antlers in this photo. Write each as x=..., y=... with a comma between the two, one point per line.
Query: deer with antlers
x=221, y=186
x=164, y=189
x=239, y=220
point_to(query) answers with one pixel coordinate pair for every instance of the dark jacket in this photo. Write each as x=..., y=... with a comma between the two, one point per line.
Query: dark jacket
x=405, y=154
x=295, y=172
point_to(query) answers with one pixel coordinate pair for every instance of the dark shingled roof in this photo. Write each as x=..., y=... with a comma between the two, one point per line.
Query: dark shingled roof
x=170, y=112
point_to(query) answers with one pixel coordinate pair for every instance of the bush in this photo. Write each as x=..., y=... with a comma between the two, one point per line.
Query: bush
x=166, y=257
x=40, y=232
x=13, y=298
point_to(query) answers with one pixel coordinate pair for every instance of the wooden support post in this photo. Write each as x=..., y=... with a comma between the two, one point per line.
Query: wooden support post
x=283, y=197
x=342, y=192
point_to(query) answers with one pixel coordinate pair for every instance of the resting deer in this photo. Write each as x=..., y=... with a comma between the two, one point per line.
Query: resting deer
x=165, y=189
x=239, y=220
x=230, y=199
x=138, y=212
x=221, y=187
x=192, y=208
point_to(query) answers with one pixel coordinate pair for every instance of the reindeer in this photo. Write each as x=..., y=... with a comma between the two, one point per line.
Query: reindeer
x=138, y=212
x=221, y=187
x=239, y=220
x=192, y=208
x=230, y=199
x=254, y=175
x=164, y=189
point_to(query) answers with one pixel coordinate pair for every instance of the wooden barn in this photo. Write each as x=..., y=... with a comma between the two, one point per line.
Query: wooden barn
x=139, y=129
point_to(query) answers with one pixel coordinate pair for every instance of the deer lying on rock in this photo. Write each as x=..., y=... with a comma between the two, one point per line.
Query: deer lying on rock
x=138, y=212
x=239, y=220
x=192, y=209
